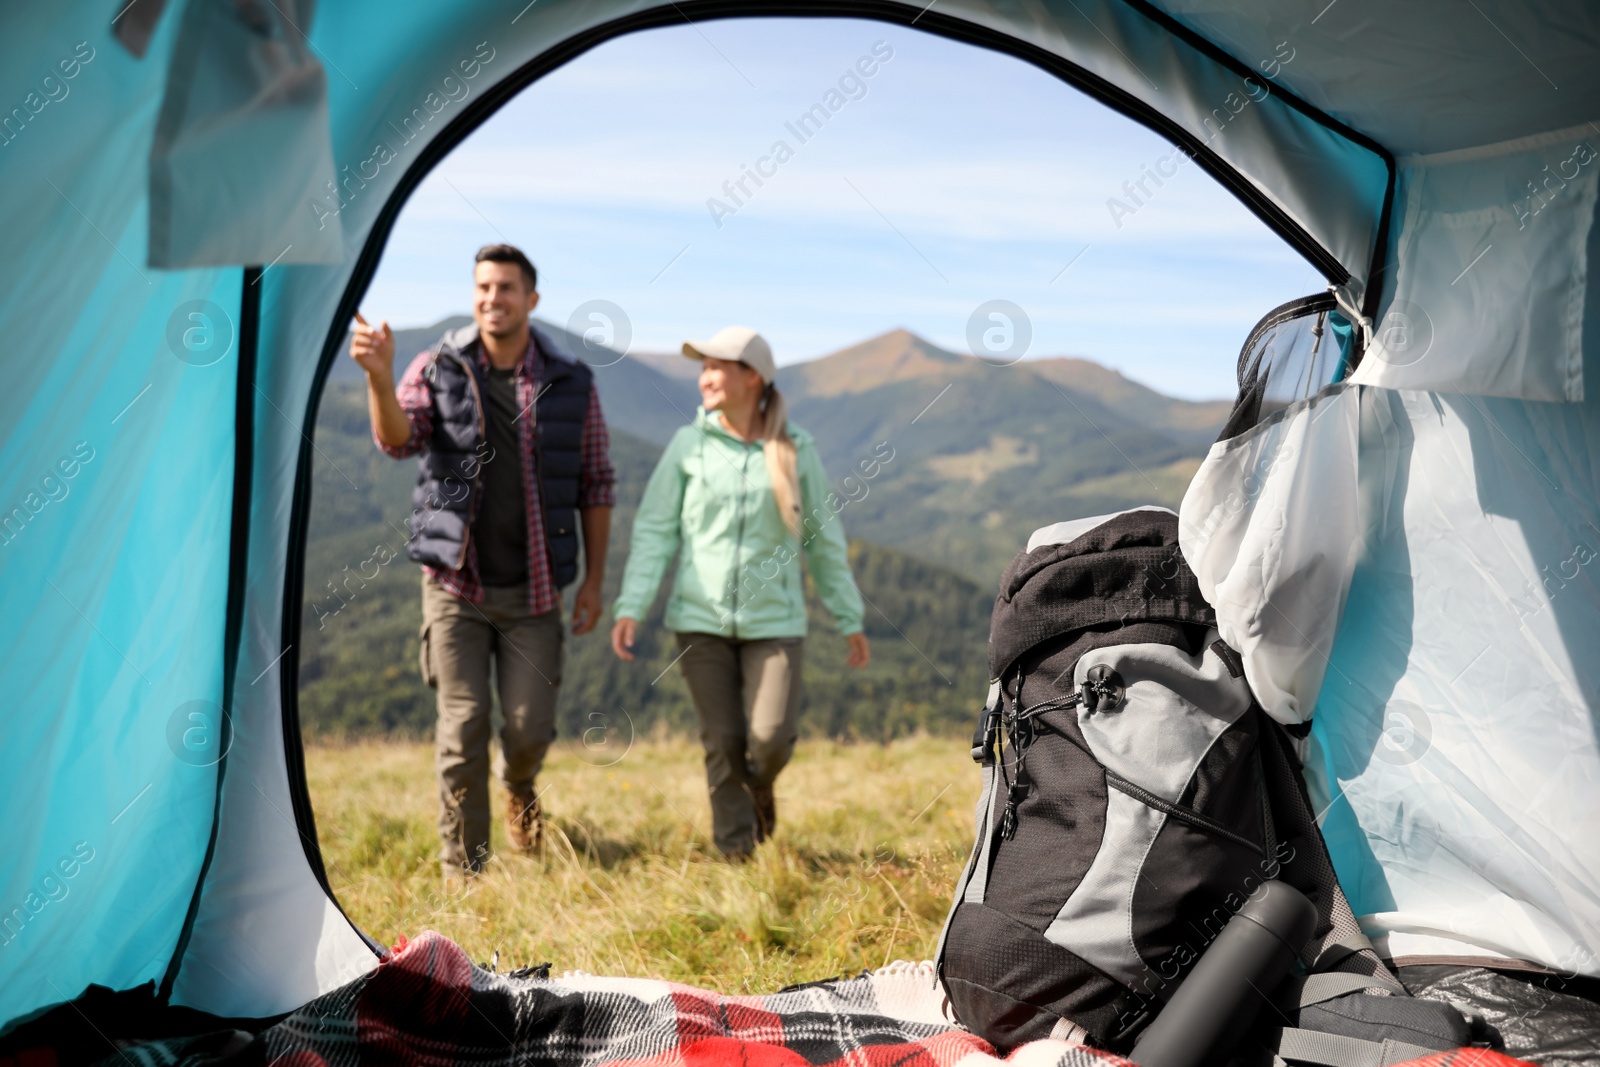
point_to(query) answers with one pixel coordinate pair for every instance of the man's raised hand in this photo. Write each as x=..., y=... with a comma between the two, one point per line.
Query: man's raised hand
x=372, y=347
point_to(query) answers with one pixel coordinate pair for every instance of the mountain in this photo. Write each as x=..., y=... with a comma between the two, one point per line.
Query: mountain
x=652, y=405
x=943, y=465
x=985, y=454
x=362, y=612
x=672, y=364
x=982, y=454
x=901, y=358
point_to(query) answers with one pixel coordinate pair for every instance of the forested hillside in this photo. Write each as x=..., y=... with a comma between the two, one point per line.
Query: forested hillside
x=358, y=661
x=981, y=456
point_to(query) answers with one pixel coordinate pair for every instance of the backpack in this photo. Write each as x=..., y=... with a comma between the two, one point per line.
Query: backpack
x=1134, y=798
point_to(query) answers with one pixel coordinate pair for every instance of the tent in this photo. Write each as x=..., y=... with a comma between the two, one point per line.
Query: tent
x=196, y=193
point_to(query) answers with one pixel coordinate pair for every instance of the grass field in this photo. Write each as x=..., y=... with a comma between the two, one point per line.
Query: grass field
x=869, y=843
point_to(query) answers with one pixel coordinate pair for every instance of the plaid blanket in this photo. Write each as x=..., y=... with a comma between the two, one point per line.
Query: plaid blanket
x=427, y=1004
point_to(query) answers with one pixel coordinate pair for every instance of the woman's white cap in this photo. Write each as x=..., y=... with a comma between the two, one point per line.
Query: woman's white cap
x=739, y=343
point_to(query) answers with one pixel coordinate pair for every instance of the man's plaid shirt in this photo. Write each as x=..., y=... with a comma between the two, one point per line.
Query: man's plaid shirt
x=596, y=477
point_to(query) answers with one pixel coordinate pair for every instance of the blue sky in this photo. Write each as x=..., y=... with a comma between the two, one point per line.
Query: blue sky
x=950, y=177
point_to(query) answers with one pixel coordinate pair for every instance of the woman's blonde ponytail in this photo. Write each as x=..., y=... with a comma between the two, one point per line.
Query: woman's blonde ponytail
x=782, y=463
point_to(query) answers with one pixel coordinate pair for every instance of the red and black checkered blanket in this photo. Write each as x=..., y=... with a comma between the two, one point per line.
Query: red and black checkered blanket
x=427, y=1004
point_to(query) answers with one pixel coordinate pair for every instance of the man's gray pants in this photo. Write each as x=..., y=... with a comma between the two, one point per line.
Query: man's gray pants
x=459, y=638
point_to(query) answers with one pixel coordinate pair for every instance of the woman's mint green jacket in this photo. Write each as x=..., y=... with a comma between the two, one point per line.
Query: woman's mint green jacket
x=739, y=566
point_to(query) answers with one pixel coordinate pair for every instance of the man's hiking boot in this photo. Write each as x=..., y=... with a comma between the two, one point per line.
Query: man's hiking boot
x=456, y=876
x=525, y=822
x=766, y=811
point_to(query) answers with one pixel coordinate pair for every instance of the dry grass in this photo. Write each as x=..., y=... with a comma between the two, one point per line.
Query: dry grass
x=869, y=843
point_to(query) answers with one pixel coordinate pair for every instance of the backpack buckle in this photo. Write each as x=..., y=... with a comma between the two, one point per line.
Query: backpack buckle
x=983, y=738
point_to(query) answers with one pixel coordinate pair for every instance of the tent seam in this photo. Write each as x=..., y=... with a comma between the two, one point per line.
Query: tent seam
x=1380, y=240
x=238, y=570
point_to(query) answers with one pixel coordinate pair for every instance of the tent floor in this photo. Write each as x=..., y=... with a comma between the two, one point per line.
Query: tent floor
x=102, y=1020
x=1545, y=1018
x=429, y=991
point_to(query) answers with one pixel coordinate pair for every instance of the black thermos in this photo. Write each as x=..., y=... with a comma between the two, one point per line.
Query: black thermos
x=1221, y=995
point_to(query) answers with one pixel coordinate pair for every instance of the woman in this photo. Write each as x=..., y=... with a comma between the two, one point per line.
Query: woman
x=739, y=493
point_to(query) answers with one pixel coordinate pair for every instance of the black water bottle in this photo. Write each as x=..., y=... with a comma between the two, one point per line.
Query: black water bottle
x=1222, y=994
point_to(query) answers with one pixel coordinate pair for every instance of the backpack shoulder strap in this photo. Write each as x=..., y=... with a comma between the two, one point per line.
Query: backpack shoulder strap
x=974, y=880
x=1311, y=989
x=1336, y=1050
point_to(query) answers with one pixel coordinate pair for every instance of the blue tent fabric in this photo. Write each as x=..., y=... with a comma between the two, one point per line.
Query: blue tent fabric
x=242, y=143
x=115, y=579
x=1455, y=732
x=154, y=472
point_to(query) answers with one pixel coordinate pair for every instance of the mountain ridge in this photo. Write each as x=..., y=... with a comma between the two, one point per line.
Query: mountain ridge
x=984, y=453
x=897, y=355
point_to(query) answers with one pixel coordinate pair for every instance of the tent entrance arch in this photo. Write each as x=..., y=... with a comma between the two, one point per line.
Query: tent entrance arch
x=1347, y=157
x=483, y=107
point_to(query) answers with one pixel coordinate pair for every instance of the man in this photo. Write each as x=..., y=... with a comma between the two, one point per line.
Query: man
x=511, y=442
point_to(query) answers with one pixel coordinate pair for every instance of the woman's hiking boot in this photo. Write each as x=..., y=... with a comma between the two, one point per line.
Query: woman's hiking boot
x=525, y=822
x=766, y=811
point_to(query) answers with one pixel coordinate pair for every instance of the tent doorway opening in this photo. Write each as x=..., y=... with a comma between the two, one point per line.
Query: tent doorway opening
x=1031, y=305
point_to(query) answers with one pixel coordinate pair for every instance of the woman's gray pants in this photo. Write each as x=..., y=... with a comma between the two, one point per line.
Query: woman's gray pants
x=747, y=695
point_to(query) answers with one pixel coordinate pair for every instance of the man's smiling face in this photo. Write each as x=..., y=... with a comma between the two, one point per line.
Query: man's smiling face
x=501, y=300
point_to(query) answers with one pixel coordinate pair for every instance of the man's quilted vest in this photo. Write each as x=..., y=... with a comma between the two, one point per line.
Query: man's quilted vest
x=449, y=474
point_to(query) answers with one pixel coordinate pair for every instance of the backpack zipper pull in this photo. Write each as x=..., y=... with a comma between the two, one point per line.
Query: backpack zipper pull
x=1014, y=796
x=1020, y=737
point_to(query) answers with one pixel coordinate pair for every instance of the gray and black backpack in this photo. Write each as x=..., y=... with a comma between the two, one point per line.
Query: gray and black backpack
x=1134, y=798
